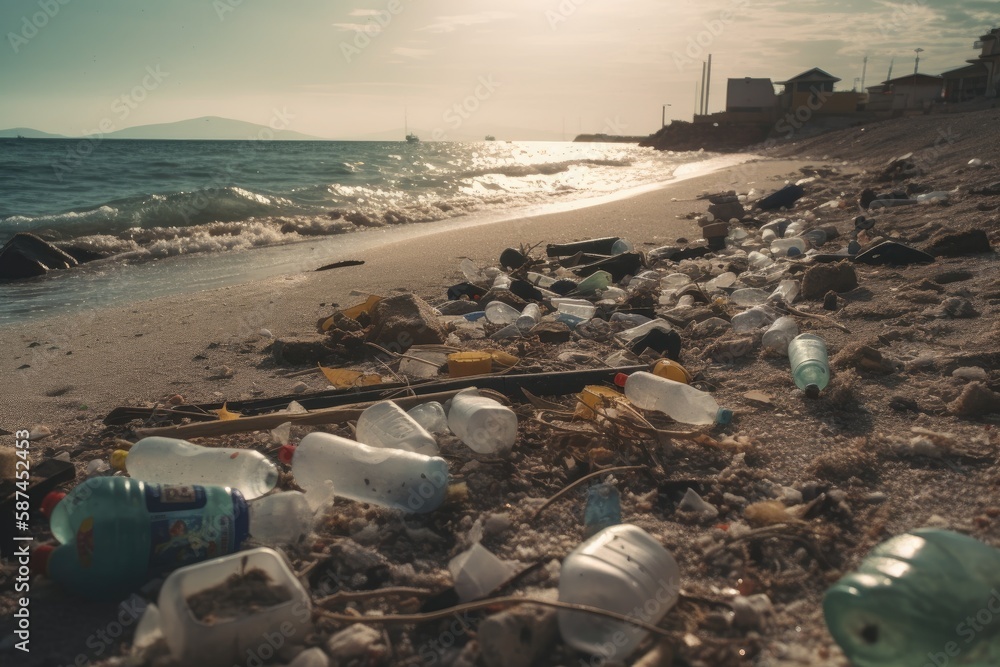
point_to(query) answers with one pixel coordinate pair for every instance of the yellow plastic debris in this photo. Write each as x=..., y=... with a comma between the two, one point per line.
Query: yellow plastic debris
x=345, y=379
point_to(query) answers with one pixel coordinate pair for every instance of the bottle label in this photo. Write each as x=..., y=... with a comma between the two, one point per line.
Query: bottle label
x=182, y=531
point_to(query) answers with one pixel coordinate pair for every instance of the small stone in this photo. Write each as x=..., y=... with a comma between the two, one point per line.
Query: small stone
x=300, y=387
x=301, y=350
x=459, y=307
x=951, y=243
x=749, y=612
x=399, y=322
x=830, y=301
x=265, y=333
x=958, y=307
x=876, y=497
x=39, y=431
x=176, y=399
x=822, y=278
x=355, y=642
x=937, y=521
x=970, y=373
x=692, y=502
x=517, y=637
x=976, y=400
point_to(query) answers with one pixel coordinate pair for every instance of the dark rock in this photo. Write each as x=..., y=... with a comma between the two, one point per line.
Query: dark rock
x=601, y=246
x=26, y=256
x=401, y=321
x=474, y=292
x=899, y=168
x=83, y=255
x=502, y=295
x=904, y=404
x=715, y=230
x=665, y=343
x=950, y=243
x=991, y=189
x=822, y=278
x=551, y=332
x=867, y=197
x=946, y=277
x=728, y=351
x=301, y=350
x=727, y=210
x=525, y=290
x=361, y=220
x=459, y=307
x=830, y=301
x=511, y=258
x=783, y=198
x=619, y=266
x=891, y=252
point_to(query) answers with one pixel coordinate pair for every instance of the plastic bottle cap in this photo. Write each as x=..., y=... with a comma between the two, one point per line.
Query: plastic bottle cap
x=40, y=559
x=50, y=501
x=118, y=459
x=286, y=453
x=620, y=379
x=723, y=416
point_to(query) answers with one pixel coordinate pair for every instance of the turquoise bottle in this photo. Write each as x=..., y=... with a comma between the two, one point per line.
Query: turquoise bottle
x=926, y=597
x=117, y=532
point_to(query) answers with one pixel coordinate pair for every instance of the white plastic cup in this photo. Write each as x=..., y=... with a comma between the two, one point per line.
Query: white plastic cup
x=385, y=424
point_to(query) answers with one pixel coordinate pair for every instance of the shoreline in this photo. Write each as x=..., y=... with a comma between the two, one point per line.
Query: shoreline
x=144, y=351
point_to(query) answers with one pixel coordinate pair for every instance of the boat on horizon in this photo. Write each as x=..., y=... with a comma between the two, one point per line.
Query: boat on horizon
x=490, y=137
x=410, y=137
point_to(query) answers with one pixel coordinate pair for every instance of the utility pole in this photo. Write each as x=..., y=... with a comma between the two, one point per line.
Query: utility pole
x=864, y=70
x=708, y=82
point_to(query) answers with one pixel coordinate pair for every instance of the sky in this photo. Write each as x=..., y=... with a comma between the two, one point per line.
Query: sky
x=456, y=69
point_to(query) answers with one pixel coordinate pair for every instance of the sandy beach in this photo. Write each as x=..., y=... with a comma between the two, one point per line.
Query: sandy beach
x=145, y=352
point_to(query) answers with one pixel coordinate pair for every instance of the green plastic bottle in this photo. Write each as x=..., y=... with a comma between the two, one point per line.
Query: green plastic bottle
x=927, y=597
x=117, y=532
x=810, y=366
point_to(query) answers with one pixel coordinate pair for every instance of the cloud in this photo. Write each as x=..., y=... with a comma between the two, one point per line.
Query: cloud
x=452, y=23
x=350, y=27
x=364, y=12
x=411, y=53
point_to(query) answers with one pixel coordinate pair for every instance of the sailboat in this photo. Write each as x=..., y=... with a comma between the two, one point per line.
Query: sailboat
x=410, y=137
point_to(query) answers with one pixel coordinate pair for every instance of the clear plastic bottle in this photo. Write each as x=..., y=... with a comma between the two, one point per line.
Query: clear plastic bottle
x=483, y=424
x=118, y=532
x=528, y=318
x=759, y=260
x=431, y=416
x=498, y=312
x=753, y=318
x=388, y=477
x=810, y=366
x=385, y=424
x=597, y=280
x=280, y=518
x=787, y=291
x=779, y=335
x=749, y=296
x=722, y=280
x=576, y=307
x=621, y=569
x=172, y=461
x=789, y=247
x=681, y=402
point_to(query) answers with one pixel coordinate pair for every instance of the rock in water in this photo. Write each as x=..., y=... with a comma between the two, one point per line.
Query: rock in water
x=26, y=256
x=401, y=321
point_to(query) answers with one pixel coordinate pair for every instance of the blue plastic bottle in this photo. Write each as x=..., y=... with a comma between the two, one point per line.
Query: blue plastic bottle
x=117, y=532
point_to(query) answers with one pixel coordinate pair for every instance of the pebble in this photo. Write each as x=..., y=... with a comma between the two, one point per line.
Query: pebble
x=313, y=657
x=300, y=387
x=517, y=637
x=970, y=373
x=39, y=431
x=355, y=641
x=692, y=502
x=749, y=612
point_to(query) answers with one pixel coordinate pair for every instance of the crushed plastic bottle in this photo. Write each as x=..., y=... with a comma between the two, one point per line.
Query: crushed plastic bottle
x=385, y=424
x=779, y=335
x=787, y=291
x=575, y=307
x=749, y=296
x=172, y=461
x=621, y=569
x=483, y=424
x=810, y=367
x=753, y=319
x=681, y=402
x=721, y=281
x=498, y=312
x=280, y=518
x=431, y=416
x=914, y=601
x=388, y=477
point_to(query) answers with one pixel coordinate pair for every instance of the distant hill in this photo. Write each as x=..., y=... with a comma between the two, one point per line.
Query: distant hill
x=28, y=133
x=209, y=127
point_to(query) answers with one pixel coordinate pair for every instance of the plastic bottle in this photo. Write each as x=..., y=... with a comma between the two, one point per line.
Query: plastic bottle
x=172, y=461
x=753, y=318
x=498, y=312
x=629, y=319
x=528, y=318
x=431, y=416
x=576, y=307
x=787, y=291
x=597, y=280
x=675, y=280
x=779, y=335
x=810, y=367
x=540, y=280
x=759, y=260
x=117, y=532
x=388, y=477
x=722, y=280
x=621, y=569
x=788, y=247
x=603, y=509
x=483, y=424
x=385, y=424
x=903, y=604
x=749, y=296
x=621, y=246
x=681, y=402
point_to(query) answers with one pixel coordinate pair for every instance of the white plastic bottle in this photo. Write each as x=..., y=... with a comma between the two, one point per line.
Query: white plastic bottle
x=483, y=424
x=172, y=461
x=528, y=318
x=681, y=402
x=788, y=246
x=621, y=569
x=388, y=477
x=385, y=424
x=780, y=334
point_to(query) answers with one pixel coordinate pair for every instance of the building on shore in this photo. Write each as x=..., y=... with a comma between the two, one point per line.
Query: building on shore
x=965, y=83
x=814, y=90
x=989, y=58
x=908, y=93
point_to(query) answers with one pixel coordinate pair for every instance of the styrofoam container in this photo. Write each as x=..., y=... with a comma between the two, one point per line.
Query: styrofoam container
x=226, y=641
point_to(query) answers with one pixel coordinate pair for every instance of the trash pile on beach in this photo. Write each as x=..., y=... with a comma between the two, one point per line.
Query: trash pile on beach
x=624, y=395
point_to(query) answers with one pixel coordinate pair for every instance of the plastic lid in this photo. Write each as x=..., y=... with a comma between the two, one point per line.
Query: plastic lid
x=620, y=379
x=286, y=453
x=118, y=459
x=40, y=559
x=723, y=416
x=50, y=501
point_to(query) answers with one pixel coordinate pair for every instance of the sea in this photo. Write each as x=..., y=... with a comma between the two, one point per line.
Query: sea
x=178, y=216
